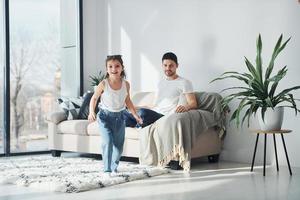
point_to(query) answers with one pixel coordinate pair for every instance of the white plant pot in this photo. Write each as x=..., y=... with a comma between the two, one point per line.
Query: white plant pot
x=273, y=119
x=95, y=87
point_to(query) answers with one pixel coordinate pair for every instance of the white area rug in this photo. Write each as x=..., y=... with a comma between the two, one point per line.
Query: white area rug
x=68, y=174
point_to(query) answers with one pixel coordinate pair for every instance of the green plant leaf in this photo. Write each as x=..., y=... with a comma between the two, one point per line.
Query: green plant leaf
x=233, y=88
x=277, y=49
x=233, y=77
x=284, y=92
x=248, y=112
x=256, y=81
x=291, y=97
x=263, y=111
x=274, y=54
x=283, y=46
x=269, y=102
x=251, y=69
x=95, y=80
x=258, y=58
x=281, y=73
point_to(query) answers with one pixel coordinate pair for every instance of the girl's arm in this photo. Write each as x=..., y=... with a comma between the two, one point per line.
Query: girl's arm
x=130, y=105
x=93, y=102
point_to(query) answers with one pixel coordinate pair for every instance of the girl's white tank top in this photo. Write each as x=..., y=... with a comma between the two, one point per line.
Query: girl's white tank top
x=113, y=100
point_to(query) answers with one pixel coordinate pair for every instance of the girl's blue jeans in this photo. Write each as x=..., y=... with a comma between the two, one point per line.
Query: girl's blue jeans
x=112, y=128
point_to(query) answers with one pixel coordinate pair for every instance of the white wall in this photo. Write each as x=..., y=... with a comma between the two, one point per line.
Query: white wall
x=94, y=38
x=209, y=37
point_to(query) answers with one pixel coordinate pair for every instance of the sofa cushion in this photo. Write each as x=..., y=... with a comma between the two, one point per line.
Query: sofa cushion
x=76, y=127
x=70, y=106
x=132, y=133
x=56, y=117
x=84, y=109
x=93, y=129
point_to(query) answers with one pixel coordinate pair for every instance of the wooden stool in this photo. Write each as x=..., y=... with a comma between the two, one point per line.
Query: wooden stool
x=281, y=132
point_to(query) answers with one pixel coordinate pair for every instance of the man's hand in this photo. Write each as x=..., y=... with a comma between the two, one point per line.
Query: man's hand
x=92, y=117
x=181, y=109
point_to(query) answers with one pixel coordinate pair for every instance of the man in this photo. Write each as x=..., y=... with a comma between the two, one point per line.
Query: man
x=170, y=89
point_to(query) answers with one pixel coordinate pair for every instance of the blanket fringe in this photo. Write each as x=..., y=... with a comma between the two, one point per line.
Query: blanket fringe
x=177, y=154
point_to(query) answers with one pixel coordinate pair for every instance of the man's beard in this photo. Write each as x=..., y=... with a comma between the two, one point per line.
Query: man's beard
x=169, y=73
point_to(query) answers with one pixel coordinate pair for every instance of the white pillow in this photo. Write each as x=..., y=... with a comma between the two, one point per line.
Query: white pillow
x=70, y=106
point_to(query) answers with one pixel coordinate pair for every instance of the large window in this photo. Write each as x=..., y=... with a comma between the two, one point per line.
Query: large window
x=35, y=71
x=44, y=63
x=1, y=73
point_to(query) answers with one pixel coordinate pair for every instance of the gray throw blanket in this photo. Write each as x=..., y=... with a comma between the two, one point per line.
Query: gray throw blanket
x=171, y=137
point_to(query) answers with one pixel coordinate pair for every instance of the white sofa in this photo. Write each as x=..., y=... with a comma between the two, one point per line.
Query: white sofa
x=85, y=137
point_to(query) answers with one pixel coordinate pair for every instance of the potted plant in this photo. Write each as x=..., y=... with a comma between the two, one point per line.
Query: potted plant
x=258, y=90
x=95, y=80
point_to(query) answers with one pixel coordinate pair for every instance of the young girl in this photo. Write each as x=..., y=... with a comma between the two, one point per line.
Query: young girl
x=114, y=92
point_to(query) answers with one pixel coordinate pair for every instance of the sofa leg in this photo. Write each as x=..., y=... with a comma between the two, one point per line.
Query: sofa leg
x=55, y=153
x=213, y=158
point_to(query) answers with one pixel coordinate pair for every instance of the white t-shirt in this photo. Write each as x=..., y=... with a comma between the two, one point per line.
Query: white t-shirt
x=169, y=92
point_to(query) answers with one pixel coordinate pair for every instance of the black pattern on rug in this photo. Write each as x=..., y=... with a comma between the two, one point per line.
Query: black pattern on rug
x=69, y=174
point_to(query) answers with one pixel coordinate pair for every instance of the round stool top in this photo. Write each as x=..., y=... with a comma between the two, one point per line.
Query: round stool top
x=272, y=132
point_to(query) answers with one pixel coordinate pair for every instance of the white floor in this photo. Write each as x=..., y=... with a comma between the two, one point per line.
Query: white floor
x=223, y=180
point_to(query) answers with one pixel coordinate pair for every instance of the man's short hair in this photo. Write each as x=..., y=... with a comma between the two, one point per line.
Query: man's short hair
x=169, y=56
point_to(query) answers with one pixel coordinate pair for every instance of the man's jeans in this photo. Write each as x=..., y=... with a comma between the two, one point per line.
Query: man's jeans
x=112, y=127
x=148, y=116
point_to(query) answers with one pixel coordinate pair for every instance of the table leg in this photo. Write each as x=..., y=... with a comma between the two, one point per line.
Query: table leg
x=265, y=147
x=286, y=155
x=275, y=152
x=254, y=153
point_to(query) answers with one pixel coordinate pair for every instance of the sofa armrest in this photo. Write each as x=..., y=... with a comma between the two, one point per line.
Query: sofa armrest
x=56, y=117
